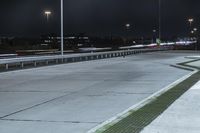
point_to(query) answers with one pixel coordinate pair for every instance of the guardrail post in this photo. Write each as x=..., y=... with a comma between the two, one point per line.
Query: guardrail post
x=66, y=60
x=6, y=66
x=35, y=63
x=22, y=65
x=56, y=61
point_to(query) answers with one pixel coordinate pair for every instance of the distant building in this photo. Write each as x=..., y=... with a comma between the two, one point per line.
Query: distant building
x=70, y=42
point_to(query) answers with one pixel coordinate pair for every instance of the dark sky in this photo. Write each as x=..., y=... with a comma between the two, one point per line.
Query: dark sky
x=101, y=17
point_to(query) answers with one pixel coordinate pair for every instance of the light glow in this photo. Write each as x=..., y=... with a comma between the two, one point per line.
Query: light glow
x=47, y=12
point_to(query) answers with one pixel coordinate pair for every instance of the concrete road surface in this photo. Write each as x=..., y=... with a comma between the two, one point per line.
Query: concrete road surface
x=73, y=98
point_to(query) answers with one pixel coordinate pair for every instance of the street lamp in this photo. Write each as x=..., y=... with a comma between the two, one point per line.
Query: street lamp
x=62, y=31
x=159, y=19
x=47, y=13
x=154, y=35
x=191, y=20
x=194, y=32
x=195, y=29
x=128, y=26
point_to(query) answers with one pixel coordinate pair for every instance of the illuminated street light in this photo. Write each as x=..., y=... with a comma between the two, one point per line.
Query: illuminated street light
x=191, y=20
x=192, y=32
x=154, y=35
x=47, y=13
x=195, y=29
x=194, y=35
x=128, y=26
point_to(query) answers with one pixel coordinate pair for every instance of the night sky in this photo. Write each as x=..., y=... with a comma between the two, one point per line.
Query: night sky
x=98, y=17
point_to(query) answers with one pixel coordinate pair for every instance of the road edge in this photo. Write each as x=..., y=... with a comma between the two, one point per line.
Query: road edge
x=106, y=124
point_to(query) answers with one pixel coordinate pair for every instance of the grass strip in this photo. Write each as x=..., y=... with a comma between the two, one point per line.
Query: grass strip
x=137, y=120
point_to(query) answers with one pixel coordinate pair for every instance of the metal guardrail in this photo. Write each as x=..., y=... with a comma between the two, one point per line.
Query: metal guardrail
x=6, y=64
x=7, y=56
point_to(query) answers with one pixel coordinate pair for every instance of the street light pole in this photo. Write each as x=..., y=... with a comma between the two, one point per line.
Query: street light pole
x=127, y=28
x=153, y=35
x=159, y=20
x=47, y=13
x=62, y=31
x=196, y=37
x=191, y=20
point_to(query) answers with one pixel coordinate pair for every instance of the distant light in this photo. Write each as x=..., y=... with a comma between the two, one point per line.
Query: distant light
x=191, y=20
x=128, y=26
x=71, y=37
x=154, y=31
x=192, y=32
x=195, y=29
x=47, y=12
